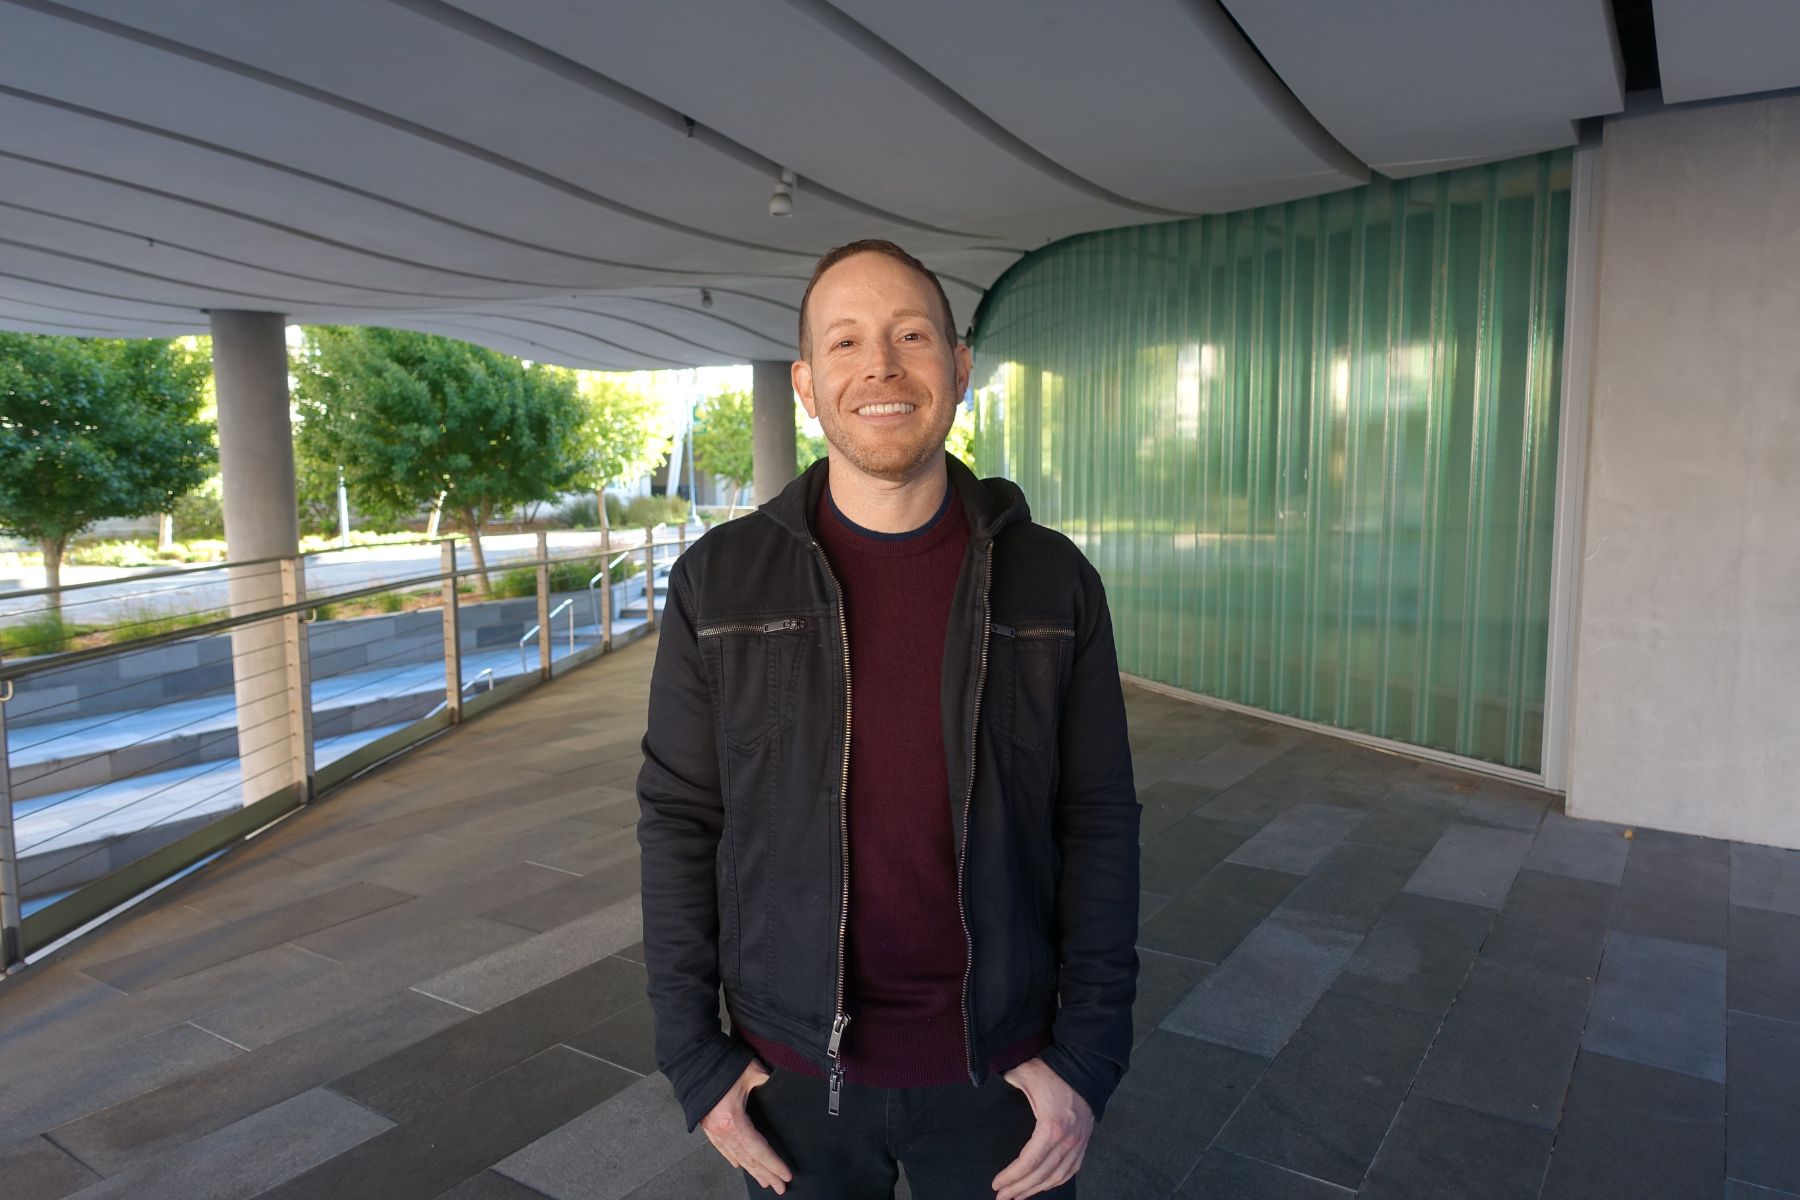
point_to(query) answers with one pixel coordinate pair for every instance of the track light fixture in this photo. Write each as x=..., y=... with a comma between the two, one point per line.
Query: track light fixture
x=705, y=297
x=781, y=200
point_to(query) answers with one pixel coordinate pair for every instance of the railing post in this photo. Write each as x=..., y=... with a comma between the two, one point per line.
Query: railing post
x=543, y=605
x=299, y=677
x=12, y=951
x=452, y=633
x=650, y=576
x=606, y=592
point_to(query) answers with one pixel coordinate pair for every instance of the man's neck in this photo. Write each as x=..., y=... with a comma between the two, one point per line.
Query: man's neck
x=885, y=506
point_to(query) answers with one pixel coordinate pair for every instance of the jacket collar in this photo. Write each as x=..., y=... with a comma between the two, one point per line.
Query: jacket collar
x=991, y=504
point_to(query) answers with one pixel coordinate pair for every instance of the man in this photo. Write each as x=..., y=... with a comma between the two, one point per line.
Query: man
x=924, y=928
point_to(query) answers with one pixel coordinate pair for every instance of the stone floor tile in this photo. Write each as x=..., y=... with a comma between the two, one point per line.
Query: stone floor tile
x=1765, y=877
x=1325, y=1103
x=1508, y=1045
x=1763, y=966
x=1438, y=1150
x=210, y=947
x=1225, y=1176
x=1567, y=847
x=1178, y=856
x=1350, y=888
x=513, y=970
x=1632, y=1132
x=1418, y=954
x=199, y=1102
x=1680, y=895
x=410, y=1081
x=1207, y=921
x=35, y=1168
x=1258, y=996
x=1473, y=864
x=464, y=1133
x=1178, y=1094
x=1763, y=1102
x=1660, y=1003
x=610, y=1150
x=1164, y=980
x=250, y=1156
x=1298, y=838
x=1554, y=922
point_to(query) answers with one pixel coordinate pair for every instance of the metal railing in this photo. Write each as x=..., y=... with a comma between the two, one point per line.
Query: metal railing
x=110, y=815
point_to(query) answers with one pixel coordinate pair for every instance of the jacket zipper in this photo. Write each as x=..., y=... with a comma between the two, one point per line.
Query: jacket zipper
x=840, y=1018
x=751, y=627
x=968, y=796
x=1036, y=631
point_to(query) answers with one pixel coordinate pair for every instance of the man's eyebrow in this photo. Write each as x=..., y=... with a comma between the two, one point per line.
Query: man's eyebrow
x=898, y=312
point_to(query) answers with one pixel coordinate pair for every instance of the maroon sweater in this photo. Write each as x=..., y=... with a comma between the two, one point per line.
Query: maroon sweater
x=905, y=951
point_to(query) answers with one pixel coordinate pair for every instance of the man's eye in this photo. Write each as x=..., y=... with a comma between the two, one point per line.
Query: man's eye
x=842, y=342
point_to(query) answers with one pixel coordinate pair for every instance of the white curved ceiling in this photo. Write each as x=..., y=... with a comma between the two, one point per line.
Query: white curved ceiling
x=560, y=179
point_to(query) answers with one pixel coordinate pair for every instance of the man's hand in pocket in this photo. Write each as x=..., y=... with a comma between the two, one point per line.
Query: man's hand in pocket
x=733, y=1134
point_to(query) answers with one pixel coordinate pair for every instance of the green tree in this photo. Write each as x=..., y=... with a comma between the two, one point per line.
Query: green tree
x=94, y=428
x=724, y=441
x=621, y=435
x=411, y=417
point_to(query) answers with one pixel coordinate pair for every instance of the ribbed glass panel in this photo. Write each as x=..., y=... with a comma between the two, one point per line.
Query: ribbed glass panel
x=1311, y=448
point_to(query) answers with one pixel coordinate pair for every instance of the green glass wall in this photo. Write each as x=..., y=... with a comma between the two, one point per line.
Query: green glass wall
x=1311, y=448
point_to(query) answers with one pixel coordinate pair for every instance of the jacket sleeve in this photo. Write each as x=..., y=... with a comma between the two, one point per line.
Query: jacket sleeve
x=681, y=815
x=1096, y=830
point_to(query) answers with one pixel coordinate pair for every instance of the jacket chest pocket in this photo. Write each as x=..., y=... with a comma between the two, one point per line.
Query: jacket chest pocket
x=753, y=665
x=1034, y=660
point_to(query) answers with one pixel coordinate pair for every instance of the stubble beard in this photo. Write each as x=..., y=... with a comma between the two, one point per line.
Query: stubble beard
x=889, y=460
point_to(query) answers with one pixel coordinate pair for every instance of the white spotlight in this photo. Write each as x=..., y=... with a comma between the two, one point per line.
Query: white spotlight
x=781, y=200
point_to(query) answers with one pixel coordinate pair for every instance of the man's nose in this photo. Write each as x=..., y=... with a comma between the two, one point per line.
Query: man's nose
x=883, y=362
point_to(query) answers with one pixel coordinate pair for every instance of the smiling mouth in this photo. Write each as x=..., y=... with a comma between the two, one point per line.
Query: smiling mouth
x=884, y=410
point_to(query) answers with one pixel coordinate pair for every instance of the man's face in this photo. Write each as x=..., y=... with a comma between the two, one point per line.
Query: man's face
x=884, y=377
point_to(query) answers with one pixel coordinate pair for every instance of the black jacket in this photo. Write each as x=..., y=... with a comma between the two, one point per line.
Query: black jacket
x=746, y=761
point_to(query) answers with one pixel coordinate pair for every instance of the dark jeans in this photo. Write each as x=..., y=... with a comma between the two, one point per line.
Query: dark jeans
x=952, y=1140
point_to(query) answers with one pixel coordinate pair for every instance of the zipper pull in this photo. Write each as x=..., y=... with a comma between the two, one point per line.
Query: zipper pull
x=837, y=1033
x=837, y=1090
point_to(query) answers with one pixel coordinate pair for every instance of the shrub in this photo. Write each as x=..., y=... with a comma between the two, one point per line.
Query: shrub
x=44, y=633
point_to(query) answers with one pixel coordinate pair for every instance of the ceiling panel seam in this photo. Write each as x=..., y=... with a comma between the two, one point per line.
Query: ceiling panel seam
x=156, y=241
x=1260, y=77
x=692, y=312
x=363, y=193
x=852, y=31
x=505, y=41
x=286, y=305
x=681, y=308
x=393, y=121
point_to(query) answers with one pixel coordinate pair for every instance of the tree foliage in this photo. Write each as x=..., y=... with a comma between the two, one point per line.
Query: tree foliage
x=724, y=440
x=621, y=435
x=410, y=417
x=93, y=428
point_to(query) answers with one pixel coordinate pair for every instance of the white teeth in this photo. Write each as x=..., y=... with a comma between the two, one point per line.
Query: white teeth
x=874, y=410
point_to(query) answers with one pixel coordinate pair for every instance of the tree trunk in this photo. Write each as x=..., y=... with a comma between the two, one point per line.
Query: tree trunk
x=600, y=499
x=53, y=555
x=437, y=511
x=165, y=531
x=471, y=521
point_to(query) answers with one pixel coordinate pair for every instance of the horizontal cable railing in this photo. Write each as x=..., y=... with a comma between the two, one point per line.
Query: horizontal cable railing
x=124, y=764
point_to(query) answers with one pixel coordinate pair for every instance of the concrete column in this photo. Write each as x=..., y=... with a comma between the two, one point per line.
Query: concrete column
x=256, y=468
x=773, y=421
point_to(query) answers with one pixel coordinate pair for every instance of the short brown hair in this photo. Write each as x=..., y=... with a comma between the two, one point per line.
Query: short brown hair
x=832, y=258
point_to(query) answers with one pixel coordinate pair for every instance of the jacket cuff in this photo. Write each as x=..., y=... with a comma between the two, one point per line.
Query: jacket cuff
x=716, y=1066
x=1092, y=1076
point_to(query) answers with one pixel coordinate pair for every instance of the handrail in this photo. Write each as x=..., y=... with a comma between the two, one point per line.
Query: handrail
x=485, y=671
x=38, y=664
x=535, y=629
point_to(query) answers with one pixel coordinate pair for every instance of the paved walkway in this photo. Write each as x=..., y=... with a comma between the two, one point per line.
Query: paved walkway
x=1361, y=975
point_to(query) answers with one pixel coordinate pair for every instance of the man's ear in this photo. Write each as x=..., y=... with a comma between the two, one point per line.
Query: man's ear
x=965, y=367
x=801, y=372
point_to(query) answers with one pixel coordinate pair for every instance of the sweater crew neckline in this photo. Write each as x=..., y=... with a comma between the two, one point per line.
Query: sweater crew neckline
x=909, y=542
